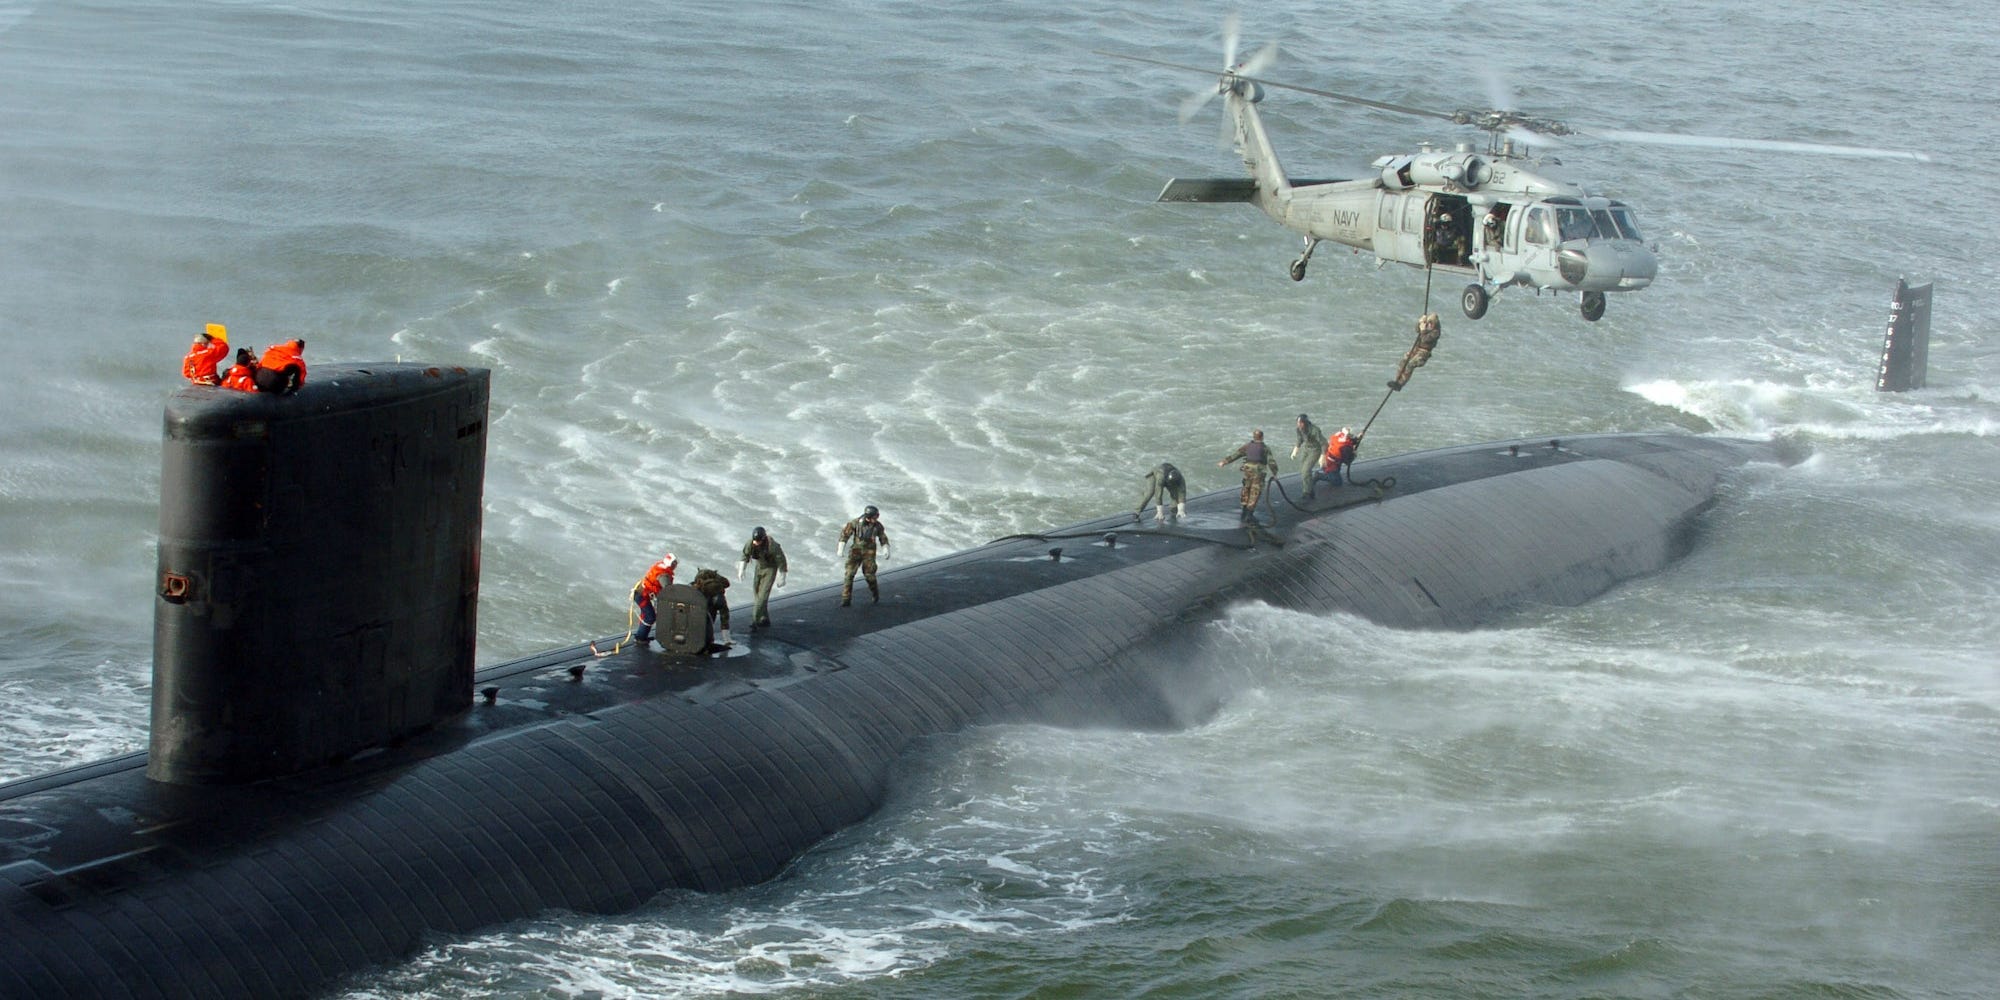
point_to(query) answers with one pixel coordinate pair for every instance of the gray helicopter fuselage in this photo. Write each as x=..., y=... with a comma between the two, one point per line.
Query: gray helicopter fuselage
x=1492, y=217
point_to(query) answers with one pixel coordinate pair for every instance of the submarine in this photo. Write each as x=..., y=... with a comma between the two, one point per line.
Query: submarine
x=329, y=782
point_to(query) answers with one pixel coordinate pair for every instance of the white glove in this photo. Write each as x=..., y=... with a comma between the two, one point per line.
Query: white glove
x=743, y=573
x=781, y=578
x=882, y=553
x=1295, y=451
x=836, y=552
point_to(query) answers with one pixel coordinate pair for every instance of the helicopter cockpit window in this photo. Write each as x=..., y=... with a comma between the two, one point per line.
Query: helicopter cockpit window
x=1605, y=226
x=1626, y=226
x=1575, y=224
x=1539, y=230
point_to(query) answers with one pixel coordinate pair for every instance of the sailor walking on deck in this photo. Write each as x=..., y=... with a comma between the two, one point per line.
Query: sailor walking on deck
x=1311, y=442
x=1258, y=465
x=861, y=537
x=769, y=556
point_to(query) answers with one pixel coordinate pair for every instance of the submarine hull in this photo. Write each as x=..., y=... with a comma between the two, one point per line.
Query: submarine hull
x=651, y=773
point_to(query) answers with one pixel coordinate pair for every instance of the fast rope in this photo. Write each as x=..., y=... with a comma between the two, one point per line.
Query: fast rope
x=1380, y=485
x=631, y=621
x=1164, y=532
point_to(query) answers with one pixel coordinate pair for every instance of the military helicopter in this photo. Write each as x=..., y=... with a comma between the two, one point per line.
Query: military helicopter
x=1493, y=216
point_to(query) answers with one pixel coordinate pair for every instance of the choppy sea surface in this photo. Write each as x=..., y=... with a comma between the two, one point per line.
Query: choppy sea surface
x=737, y=264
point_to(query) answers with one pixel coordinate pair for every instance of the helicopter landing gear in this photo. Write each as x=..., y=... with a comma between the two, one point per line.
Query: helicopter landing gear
x=1474, y=301
x=1591, y=304
x=1298, y=269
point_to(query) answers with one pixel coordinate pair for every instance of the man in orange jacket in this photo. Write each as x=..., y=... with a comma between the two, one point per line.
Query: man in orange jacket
x=242, y=375
x=658, y=577
x=282, y=369
x=1340, y=450
x=205, y=355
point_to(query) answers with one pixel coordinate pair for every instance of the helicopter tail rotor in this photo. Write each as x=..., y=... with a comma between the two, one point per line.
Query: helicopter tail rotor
x=1231, y=69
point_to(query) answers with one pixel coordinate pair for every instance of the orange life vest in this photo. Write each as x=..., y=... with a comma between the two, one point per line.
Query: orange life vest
x=278, y=357
x=202, y=358
x=240, y=377
x=655, y=580
x=1339, y=448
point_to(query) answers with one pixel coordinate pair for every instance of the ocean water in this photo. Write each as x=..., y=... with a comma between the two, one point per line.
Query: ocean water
x=737, y=264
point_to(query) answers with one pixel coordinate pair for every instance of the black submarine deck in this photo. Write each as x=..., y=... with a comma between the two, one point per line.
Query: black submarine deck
x=103, y=827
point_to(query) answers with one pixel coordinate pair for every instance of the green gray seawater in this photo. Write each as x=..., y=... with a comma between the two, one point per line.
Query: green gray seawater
x=765, y=263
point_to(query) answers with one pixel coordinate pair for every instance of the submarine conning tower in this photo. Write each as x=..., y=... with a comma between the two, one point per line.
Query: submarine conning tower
x=318, y=569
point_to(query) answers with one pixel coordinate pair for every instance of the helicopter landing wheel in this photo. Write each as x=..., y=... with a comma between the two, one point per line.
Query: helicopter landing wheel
x=1592, y=306
x=1298, y=269
x=1474, y=301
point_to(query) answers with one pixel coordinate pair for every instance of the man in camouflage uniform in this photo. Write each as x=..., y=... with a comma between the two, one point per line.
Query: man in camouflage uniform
x=862, y=536
x=1258, y=465
x=1167, y=483
x=1311, y=442
x=1428, y=331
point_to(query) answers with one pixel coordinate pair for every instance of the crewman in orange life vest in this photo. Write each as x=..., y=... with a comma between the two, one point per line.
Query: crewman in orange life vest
x=205, y=355
x=657, y=578
x=1340, y=450
x=282, y=369
x=241, y=375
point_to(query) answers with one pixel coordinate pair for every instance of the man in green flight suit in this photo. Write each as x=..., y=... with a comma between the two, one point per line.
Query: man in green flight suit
x=769, y=556
x=1311, y=442
x=862, y=536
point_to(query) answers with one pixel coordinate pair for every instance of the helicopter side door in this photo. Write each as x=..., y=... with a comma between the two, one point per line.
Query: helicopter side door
x=1537, y=246
x=1399, y=227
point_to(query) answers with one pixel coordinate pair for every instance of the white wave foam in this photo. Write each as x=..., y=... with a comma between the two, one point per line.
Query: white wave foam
x=1837, y=411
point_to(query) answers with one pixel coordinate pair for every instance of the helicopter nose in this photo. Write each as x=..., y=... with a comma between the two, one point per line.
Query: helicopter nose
x=1620, y=265
x=1639, y=268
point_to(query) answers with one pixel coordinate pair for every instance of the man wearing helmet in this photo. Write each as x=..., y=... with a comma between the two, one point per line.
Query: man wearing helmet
x=862, y=536
x=1311, y=441
x=769, y=556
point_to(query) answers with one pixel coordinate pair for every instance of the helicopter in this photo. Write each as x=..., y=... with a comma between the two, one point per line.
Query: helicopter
x=1495, y=216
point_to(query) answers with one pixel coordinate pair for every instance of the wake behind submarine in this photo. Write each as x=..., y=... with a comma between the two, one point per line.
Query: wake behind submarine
x=322, y=789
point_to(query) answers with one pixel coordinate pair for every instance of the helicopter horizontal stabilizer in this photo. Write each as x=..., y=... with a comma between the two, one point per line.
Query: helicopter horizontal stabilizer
x=1209, y=189
x=1218, y=189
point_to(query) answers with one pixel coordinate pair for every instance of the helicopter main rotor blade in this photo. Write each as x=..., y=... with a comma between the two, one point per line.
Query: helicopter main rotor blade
x=1770, y=145
x=1232, y=31
x=1402, y=109
x=1259, y=62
